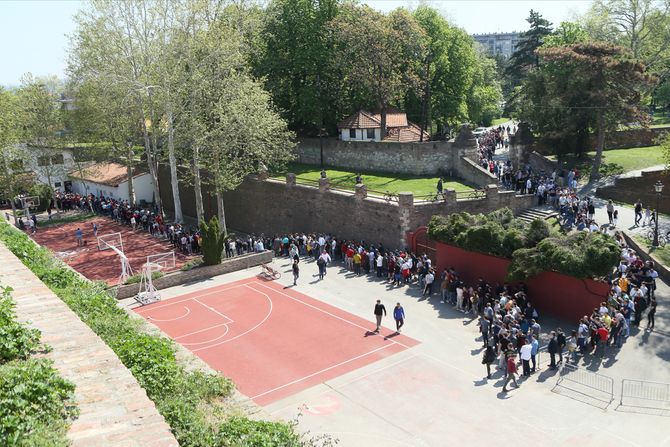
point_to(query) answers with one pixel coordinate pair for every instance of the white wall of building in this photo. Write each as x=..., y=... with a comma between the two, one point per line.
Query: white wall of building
x=55, y=173
x=361, y=135
x=142, y=184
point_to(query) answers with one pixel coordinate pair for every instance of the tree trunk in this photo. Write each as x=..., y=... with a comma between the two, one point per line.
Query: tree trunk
x=174, y=181
x=151, y=163
x=600, y=144
x=221, y=212
x=131, y=188
x=383, y=114
x=197, y=185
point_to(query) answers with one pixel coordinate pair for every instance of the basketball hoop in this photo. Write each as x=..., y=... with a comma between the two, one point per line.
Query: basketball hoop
x=148, y=293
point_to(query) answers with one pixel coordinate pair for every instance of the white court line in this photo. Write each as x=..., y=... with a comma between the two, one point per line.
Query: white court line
x=170, y=302
x=332, y=315
x=319, y=372
x=210, y=340
x=188, y=311
x=245, y=332
x=230, y=320
x=202, y=330
x=354, y=380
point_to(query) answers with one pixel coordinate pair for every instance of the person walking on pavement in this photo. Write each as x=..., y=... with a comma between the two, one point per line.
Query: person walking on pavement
x=610, y=211
x=552, y=349
x=399, y=316
x=638, y=212
x=525, y=353
x=380, y=311
x=296, y=272
x=651, y=314
x=489, y=357
x=511, y=372
x=560, y=340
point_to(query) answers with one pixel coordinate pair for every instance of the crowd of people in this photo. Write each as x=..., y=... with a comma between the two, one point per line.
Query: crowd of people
x=508, y=322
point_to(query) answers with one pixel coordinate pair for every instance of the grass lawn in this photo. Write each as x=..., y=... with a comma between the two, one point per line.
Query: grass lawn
x=661, y=254
x=616, y=161
x=375, y=181
x=498, y=121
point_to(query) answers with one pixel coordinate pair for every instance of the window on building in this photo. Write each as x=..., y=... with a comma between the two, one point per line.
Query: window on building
x=57, y=159
x=43, y=161
x=352, y=134
x=57, y=184
x=371, y=134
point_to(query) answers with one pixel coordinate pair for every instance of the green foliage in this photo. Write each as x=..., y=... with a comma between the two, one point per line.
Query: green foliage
x=188, y=400
x=35, y=404
x=17, y=341
x=525, y=58
x=582, y=255
x=537, y=231
x=567, y=33
x=245, y=432
x=212, y=241
x=190, y=265
x=532, y=248
x=137, y=278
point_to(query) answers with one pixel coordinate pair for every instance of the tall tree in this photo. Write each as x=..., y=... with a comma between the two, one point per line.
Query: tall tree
x=244, y=135
x=485, y=93
x=591, y=86
x=447, y=73
x=525, y=57
x=12, y=172
x=379, y=53
x=295, y=62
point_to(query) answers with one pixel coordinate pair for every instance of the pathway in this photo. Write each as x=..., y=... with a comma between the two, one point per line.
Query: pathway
x=114, y=409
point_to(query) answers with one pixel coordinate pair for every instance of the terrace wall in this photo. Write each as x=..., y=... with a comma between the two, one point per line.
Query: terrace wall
x=282, y=206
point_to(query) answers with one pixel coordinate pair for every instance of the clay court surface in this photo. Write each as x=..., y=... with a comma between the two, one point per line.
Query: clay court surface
x=102, y=265
x=272, y=341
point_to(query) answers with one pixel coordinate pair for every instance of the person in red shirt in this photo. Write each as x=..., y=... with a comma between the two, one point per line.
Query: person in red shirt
x=602, y=334
x=511, y=372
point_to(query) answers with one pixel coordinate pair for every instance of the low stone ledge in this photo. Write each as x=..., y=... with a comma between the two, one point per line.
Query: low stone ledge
x=662, y=270
x=199, y=273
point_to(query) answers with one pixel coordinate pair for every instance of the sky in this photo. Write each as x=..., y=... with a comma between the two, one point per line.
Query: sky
x=34, y=32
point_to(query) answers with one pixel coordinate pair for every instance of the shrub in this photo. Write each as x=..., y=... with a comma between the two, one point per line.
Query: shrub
x=212, y=242
x=35, y=402
x=17, y=341
x=239, y=431
x=137, y=278
x=190, y=265
x=537, y=231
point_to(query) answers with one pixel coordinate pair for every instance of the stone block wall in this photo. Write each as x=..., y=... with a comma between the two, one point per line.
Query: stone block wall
x=427, y=158
x=472, y=173
x=275, y=206
x=630, y=189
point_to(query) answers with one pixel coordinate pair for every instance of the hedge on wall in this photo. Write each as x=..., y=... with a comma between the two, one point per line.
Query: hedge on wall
x=532, y=247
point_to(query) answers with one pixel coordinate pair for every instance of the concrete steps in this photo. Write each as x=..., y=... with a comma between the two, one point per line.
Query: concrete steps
x=537, y=213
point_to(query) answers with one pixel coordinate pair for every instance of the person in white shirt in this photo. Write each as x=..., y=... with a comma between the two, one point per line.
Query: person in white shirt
x=428, y=290
x=525, y=353
x=380, y=264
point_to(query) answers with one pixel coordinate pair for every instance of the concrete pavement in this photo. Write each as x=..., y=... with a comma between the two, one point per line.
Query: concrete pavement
x=436, y=393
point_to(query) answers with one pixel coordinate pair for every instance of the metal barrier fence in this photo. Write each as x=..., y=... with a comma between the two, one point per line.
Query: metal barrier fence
x=472, y=194
x=644, y=394
x=586, y=386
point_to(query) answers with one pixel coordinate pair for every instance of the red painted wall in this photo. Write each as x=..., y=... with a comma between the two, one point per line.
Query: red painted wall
x=553, y=293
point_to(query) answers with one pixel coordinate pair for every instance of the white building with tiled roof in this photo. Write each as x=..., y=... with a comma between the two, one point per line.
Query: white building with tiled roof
x=366, y=126
x=111, y=180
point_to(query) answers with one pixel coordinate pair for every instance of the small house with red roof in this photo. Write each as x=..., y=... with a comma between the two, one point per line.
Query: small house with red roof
x=366, y=126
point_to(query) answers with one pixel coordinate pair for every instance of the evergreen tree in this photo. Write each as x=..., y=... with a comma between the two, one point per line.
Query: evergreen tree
x=525, y=57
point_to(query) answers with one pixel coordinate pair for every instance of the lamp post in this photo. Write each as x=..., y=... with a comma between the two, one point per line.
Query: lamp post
x=658, y=187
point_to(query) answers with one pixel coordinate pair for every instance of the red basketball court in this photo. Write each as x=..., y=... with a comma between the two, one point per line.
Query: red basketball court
x=271, y=341
x=102, y=265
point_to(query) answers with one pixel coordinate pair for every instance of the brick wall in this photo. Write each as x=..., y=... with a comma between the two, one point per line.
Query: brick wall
x=199, y=273
x=630, y=189
x=275, y=206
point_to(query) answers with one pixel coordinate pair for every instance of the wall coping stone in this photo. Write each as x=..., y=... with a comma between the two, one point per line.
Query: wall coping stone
x=113, y=409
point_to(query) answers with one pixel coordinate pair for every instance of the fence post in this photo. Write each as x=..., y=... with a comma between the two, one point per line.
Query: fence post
x=324, y=184
x=290, y=179
x=361, y=191
x=450, y=196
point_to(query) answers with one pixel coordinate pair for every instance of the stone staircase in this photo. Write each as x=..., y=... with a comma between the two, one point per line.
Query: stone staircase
x=537, y=213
